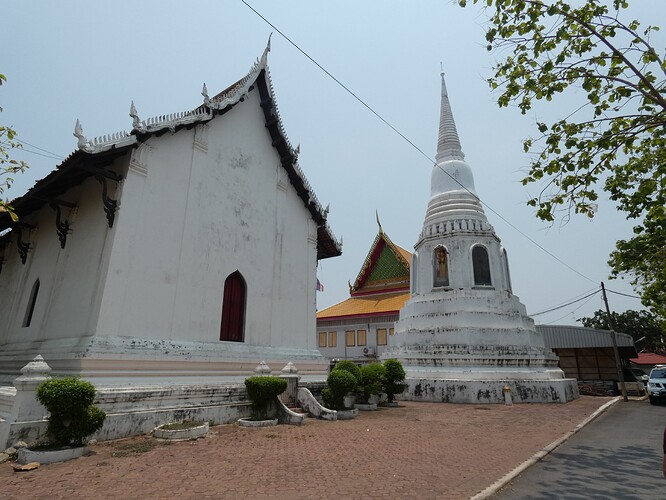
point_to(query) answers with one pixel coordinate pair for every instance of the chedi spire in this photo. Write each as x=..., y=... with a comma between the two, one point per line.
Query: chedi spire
x=448, y=143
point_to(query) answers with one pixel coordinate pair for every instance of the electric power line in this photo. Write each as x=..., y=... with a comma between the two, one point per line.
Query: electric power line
x=570, y=312
x=623, y=294
x=581, y=295
x=367, y=106
x=565, y=305
x=51, y=157
x=40, y=149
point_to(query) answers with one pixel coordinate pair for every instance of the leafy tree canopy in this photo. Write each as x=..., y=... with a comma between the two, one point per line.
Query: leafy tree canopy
x=615, y=141
x=639, y=324
x=8, y=165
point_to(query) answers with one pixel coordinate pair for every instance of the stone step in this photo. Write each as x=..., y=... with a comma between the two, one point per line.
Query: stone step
x=297, y=409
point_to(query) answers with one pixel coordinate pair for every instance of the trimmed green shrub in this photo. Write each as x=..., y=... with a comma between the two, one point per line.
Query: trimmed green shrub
x=340, y=383
x=394, y=377
x=73, y=417
x=263, y=391
x=350, y=367
x=372, y=379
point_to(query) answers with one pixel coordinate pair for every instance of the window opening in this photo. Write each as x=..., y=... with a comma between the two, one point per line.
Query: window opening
x=233, y=308
x=506, y=268
x=381, y=336
x=351, y=338
x=481, y=266
x=441, y=264
x=31, y=304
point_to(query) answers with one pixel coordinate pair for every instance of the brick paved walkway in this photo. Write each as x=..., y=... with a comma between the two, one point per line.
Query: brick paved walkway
x=420, y=450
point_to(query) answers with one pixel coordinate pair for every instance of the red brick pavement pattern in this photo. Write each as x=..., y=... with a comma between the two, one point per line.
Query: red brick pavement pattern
x=420, y=450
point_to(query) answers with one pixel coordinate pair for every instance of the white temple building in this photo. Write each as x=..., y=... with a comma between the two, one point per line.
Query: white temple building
x=463, y=336
x=184, y=251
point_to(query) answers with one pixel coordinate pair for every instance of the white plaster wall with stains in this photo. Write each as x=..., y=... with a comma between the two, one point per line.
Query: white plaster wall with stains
x=144, y=298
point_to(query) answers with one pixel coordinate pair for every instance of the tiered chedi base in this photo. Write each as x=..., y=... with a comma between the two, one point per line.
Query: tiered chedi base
x=468, y=346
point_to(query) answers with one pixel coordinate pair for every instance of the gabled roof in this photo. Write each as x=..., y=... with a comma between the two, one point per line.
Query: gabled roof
x=386, y=268
x=94, y=155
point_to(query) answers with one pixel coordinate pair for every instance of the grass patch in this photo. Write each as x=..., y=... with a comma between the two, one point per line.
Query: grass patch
x=177, y=426
x=134, y=448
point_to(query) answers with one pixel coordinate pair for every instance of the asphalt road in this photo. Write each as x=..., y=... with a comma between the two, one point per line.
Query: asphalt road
x=617, y=456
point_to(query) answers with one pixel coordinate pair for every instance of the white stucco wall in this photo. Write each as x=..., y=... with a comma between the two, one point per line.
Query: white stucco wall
x=194, y=207
x=69, y=278
x=190, y=217
x=343, y=351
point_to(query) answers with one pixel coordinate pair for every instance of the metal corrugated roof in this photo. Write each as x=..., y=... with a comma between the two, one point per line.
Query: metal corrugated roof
x=564, y=336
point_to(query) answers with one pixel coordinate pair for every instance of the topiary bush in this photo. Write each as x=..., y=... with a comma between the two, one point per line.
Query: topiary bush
x=350, y=367
x=340, y=383
x=372, y=379
x=394, y=377
x=263, y=391
x=72, y=417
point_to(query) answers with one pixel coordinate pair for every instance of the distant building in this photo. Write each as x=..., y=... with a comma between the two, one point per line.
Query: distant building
x=359, y=328
x=586, y=354
x=183, y=251
x=647, y=360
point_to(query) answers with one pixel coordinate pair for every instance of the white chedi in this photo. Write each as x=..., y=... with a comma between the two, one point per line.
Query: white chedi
x=463, y=336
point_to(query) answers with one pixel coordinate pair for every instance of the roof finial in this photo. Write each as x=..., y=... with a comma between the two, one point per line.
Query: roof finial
x=448, y=143
x=381, y=231
x=204, y=93
x=78, y=133
x=264, y=57
x=136, y=122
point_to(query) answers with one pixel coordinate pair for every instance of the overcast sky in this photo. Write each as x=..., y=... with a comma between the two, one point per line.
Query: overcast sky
x=88, y=60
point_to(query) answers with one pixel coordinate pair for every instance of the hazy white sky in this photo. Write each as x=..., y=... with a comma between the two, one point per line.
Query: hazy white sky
x=88, y=60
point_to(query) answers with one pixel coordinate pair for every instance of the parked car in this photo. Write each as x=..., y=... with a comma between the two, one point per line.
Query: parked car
x=657, y=384
x=640, y=376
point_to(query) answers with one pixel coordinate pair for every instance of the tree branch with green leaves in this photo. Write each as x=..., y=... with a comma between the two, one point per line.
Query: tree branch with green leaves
x=8, y=165
x=615, y=141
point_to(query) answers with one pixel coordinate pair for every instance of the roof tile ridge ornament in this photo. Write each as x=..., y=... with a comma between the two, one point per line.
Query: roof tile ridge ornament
x=381, y=231
x=204, y=93
x=78, y=133
x=137, y=123
x=242, y=87
x=448, y=142
x=103, y=142
x=295, y=152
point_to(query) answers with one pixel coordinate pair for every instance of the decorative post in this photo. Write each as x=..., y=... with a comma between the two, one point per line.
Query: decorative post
x=26, y=406
x=28, y=417
x=290, y=373
x=262, y=369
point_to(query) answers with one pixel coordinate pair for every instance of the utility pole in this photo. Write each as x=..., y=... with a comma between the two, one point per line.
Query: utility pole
x=611, y=325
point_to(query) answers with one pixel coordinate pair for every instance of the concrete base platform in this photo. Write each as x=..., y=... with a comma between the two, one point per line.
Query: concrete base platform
x=489, y=391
